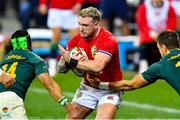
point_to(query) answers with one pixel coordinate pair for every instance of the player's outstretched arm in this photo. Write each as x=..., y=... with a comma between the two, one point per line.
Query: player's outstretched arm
x=54, y=90
x=6, y=79
x=125, y=85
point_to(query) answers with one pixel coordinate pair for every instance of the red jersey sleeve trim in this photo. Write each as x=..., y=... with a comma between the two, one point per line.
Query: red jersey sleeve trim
x=107, y=53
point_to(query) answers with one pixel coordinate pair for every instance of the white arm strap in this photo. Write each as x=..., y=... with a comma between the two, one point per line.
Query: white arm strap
x=1, y=71
x=104, y=85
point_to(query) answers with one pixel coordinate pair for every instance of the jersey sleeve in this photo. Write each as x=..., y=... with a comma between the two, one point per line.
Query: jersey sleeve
x=40, y=68
x=109, y=46
x=153, y=73
x=71, y=44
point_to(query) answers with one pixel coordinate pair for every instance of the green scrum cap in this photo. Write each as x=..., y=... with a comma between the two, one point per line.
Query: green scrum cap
x=19, y=42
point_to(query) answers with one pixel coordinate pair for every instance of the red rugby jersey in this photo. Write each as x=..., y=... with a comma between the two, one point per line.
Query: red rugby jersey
x=60, y=4
x=105, y=43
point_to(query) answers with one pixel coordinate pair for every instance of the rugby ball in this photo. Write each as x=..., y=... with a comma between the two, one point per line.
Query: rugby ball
x=79, y=53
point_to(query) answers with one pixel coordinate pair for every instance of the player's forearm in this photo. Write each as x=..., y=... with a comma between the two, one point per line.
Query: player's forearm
x=126, y=85
x=54, y=90
x=57, y=93
x=51, y=85
x=90, y=65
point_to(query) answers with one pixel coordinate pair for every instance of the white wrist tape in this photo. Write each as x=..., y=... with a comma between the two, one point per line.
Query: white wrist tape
x=104, y=85
x=1, y=71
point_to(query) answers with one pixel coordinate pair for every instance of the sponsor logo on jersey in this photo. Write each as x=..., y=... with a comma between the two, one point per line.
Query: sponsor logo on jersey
x=79, y=94
x=5, y=109
x=15, y=57
x=93, y=50
x=110, y=97
x=5, y=113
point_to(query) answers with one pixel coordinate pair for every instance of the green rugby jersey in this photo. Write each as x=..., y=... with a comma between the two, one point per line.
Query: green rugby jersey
x=24, y=66
x=168, y=69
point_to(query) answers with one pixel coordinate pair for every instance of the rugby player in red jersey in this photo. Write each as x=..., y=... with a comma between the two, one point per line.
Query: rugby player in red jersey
x=101, y=47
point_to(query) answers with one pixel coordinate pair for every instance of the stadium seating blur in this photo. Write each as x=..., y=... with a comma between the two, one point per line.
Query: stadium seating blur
x=127, y=51
x=41, y=41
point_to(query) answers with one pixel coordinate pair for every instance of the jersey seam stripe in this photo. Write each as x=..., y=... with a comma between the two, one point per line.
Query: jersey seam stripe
x=102, y=51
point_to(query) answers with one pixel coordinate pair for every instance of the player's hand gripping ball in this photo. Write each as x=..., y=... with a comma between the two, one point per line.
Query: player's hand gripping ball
x=78, y=54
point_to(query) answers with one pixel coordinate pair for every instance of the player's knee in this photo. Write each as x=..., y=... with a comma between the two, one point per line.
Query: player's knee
x=78, y=115
x=73, y=116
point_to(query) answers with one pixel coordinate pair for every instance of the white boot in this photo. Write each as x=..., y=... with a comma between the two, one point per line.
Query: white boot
x=143, y=66
x=52, y=66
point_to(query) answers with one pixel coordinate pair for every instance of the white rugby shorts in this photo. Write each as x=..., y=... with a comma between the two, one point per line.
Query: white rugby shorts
x=12, y=106
x=63, y=19
x=91, y=97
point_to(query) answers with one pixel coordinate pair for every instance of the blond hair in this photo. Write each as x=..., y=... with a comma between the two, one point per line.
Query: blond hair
x=91, y=12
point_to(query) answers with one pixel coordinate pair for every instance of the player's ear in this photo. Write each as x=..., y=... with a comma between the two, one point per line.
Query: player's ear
x=164, y=49
x=96, y=25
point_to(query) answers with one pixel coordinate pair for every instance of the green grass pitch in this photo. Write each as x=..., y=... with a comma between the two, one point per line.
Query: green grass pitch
x=157, y=101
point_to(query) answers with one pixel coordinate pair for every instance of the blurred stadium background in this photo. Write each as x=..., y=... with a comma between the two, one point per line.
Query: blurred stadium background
x=158, y=101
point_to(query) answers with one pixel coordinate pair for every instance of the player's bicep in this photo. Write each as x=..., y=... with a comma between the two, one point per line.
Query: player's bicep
x=102, y=59
x=40, y=68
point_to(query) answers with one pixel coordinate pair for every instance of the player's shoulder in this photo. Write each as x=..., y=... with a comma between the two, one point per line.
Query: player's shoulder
x=105, y=32
x=156, y=65
x=76, y=37
x=34, y=58
x=107, y=35
x=173, y=54
x=75, y=40
x=15, y=54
